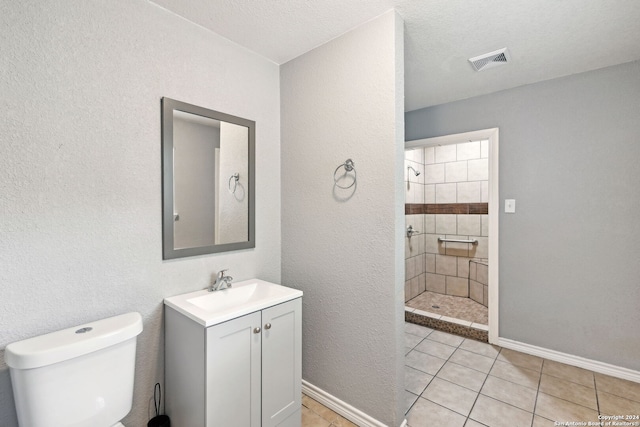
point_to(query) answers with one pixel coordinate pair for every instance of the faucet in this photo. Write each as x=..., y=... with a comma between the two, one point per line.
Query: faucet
x=221, y=282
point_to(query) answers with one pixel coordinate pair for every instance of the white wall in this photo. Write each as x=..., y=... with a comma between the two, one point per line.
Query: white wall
x=233, y=208
x=80, y=175
x=194, y=178
x=345, y=250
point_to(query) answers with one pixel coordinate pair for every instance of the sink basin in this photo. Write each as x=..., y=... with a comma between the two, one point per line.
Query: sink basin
x=226, y=298
x=211, y=308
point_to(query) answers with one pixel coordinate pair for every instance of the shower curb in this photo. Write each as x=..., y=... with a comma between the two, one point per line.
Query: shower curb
x=449, y=327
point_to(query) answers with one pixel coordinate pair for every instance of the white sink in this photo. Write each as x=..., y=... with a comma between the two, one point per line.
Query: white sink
x=226, y=298
x=211, y=308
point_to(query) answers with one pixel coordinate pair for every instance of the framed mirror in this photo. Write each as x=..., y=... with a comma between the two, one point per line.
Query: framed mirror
x=208, y=181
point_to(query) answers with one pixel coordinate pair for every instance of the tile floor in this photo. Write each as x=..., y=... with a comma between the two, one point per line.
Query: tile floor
x=452, y=381
x=314, y=414
x=450, y=306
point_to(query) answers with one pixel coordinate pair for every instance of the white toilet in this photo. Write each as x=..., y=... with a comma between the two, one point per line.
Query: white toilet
x=80, y=377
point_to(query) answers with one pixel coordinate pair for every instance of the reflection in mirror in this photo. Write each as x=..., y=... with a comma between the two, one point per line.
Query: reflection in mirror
x=208, y=173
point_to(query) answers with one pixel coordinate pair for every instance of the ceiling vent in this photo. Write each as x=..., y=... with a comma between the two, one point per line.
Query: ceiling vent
x=491, y=59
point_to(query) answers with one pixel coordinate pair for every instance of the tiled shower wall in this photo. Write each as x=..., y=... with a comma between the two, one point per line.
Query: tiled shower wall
x=478, y=282
x=448, y=199
x=415, y=269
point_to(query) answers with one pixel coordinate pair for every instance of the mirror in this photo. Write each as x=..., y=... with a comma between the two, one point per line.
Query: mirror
x=208, y=181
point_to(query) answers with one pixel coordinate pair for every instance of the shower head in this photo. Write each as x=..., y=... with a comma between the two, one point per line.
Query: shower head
x=414, y=171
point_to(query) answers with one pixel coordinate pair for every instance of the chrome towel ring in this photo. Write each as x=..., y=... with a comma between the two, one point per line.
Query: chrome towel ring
x=348, y=166
x=235, y=177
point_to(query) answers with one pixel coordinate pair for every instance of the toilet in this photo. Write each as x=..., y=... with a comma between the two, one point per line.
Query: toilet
x=80, y=377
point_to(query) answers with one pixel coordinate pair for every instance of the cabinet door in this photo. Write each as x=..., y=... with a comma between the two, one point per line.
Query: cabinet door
x=281, y=362
x=233, y=386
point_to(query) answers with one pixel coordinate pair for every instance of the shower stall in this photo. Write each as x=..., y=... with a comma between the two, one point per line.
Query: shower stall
x=446, y=243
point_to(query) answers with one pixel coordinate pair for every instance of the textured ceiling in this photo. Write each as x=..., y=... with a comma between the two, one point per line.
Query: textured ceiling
x=547, y=38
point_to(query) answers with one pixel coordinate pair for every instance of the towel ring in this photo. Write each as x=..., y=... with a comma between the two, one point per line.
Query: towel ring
x=348, y=166
x=235, y=177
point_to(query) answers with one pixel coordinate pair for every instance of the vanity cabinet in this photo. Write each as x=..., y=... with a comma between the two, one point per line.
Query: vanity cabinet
x=245, y=372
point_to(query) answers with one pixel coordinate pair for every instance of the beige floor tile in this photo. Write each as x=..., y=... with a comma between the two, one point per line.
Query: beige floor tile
x=511, y=393
x=319, y=409
x=516, y=374
x=462, y=376
x=416, y=381
x=561, y=410
x=494, y=413
x=311, y=419
x=425, y=413
x=409, y=400
x=520, y=359
x=471, y=423
x=538, y=421
x=450, y=396
x=618, y=386
x=576, y=393
x=424, y=362
x=445, y=338
x=611, y=404
x=472, y=360
x=307, y=401
x=413, y=329
x=411, y=340
x=567, y=372
x=343, y=422
x=480, y=348
x=436, y=349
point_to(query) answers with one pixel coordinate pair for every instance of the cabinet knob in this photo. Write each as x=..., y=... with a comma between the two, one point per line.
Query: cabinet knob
x=267, y=326
x=257, y=330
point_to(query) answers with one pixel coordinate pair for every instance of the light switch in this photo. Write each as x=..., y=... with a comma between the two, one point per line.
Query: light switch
x=510, y=205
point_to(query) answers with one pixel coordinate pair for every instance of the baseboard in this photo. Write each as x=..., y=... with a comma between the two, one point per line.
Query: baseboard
x=570, y=359
x=354, y=415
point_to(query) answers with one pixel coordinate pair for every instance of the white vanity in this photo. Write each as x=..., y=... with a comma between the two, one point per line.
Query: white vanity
x=234, y=357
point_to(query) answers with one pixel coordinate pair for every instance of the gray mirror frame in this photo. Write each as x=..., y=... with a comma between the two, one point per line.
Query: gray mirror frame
x=168, y=251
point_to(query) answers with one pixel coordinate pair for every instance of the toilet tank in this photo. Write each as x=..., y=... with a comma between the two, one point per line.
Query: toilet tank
x=80, y=377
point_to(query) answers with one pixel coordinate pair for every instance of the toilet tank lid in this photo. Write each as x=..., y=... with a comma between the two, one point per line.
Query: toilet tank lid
x=68, y=343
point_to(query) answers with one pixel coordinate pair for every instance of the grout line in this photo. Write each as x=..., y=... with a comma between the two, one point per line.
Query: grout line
x=481, y=387
x=565, y=400
x=460, y=385
x=509, y=404
x=321, y=417
x=595, y=386
x=448, y=409
x=474, y=369
x=566, y=379
x=535, y=402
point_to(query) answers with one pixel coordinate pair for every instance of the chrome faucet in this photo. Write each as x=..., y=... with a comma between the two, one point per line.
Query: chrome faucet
x=221, y=282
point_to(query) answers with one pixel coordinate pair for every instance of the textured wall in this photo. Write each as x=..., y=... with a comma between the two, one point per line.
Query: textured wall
x=80, y=176
x=569, y=151
x=344, y=248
